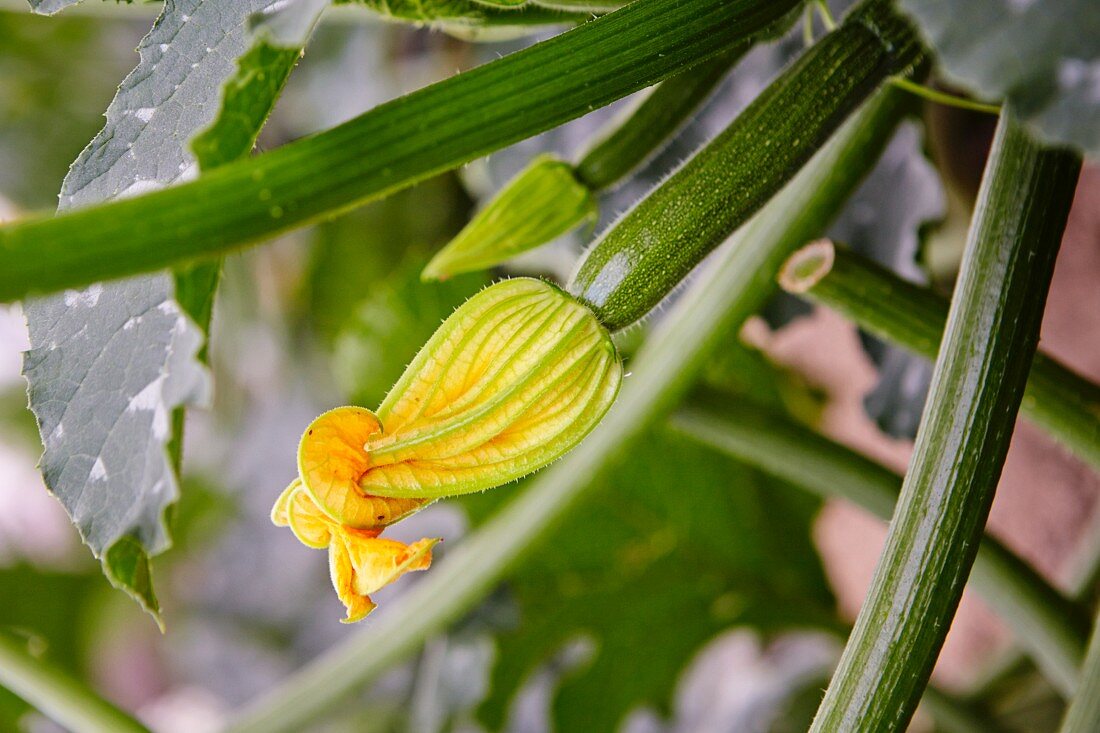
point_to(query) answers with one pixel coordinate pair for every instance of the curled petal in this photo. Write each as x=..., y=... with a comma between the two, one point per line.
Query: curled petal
x=332, y=459
x=280, y=515
x=309, y=524
x=361, y=563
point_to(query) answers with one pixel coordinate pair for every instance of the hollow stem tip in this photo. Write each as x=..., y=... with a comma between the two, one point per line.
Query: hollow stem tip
x=806, y=267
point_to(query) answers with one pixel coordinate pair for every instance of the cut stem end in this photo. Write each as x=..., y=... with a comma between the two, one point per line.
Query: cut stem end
x=806, y=267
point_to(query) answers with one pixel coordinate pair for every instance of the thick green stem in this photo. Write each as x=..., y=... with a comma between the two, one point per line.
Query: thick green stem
x=1047, y=624
x=621, y=150
x=1058, y=400
x=977, y=385
x=646, y=254
x=57, y=695
x=1083, y=715
x=739, y=282
x=388, y=148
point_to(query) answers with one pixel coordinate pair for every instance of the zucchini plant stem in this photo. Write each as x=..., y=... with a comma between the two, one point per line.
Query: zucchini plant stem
x=977, y=384
x=1057, y=400
x=57, y=695
x=1048, y=625
x=388, y=148
x=738, y=283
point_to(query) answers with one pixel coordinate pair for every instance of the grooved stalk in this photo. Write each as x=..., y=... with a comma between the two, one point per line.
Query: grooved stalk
x=388, y=148
x=977, y=385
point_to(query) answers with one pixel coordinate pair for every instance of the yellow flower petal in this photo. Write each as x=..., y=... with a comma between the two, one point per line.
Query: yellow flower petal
x=279, y=514
x=332, y=459
x=361, y=563
x=343, y=579
x=310, y=525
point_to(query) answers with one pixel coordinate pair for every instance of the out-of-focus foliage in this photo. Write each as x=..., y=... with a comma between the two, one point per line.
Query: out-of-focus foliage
x=375, y=246
x=1043, y=57
x=49, y=107
x=51, y=610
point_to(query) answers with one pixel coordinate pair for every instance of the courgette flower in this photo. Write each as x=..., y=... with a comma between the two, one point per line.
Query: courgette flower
x=511, y=381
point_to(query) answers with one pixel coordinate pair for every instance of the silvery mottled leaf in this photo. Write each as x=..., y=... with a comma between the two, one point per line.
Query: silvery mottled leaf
x=108, y=365
x=49, y=7
x=1044, y=57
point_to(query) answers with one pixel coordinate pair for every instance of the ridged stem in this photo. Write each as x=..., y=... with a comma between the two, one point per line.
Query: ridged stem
x=977, y=385
x=1045, y=623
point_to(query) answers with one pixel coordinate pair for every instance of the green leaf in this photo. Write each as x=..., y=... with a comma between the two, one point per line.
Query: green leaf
x=391, y=147
x=126, y=565
x=102, y=388
x=276, y=40
x=1043, y=57
x=109, y=365
x=637, y=557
